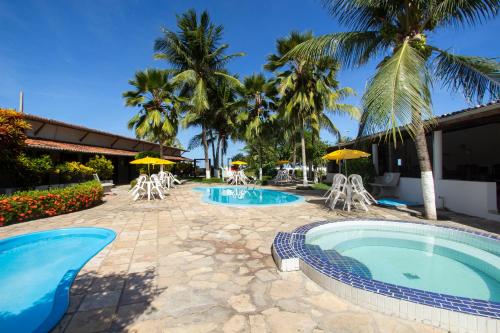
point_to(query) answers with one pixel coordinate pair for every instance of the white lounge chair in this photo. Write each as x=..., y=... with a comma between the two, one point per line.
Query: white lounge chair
x=360, y=195
x=106, y=186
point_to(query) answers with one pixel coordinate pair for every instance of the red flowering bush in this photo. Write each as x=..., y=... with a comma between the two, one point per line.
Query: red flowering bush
x=29, y=205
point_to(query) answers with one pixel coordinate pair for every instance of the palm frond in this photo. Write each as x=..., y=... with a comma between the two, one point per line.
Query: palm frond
x=474, y=76
x=461, y=12
x=394, y=96
x=349, y=48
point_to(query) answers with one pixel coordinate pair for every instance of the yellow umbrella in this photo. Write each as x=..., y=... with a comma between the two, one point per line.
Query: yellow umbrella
x=345, y=154
x=152, y=161
x=238, y=163
x=283, y=162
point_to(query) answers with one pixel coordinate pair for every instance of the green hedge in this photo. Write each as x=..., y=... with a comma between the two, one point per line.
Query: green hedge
x=29, y=205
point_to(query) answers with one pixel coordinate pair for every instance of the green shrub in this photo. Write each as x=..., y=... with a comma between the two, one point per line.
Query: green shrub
x=133, y=183
x=102, y=166
x=29, y=205
x=363, y=167
x=34, y=170
x=74, y=172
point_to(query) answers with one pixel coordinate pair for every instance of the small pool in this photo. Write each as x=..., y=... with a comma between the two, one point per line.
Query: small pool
x=247, y=196
x=420, y=258
x=445, y=276
x=36, y=272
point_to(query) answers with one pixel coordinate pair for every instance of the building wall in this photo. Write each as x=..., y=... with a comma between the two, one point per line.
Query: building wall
x=466, y=197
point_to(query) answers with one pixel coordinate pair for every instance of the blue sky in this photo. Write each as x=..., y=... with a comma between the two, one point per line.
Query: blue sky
x=73, y=59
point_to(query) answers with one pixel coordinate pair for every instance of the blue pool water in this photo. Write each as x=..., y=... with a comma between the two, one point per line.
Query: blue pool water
x=36, y=272
x=446, y=262
x=247, y=196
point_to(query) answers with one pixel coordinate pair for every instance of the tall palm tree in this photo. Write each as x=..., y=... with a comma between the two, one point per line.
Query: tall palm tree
x=198, y=57
x=308, y=91
x=226, y=103
x=399, y=92
x=158, y=116
x=260, y=95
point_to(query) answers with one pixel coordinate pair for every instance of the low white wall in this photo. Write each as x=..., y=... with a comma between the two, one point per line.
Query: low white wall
x=467, y=197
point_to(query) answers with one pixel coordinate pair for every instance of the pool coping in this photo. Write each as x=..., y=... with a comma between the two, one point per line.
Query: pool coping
x=62, y=291
x=441, y=310
x=205, y=197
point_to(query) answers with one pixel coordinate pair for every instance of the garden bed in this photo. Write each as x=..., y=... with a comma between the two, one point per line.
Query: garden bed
x=30, y=205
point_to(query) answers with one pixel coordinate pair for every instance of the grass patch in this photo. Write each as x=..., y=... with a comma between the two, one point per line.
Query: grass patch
x=321, y=186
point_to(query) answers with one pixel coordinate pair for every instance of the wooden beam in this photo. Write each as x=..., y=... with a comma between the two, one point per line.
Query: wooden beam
x=39, y=128
x=84, y=136
x=114, y=142
x=135, y=146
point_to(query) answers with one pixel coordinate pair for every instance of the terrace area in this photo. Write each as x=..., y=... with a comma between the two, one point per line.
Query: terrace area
x=182, y=265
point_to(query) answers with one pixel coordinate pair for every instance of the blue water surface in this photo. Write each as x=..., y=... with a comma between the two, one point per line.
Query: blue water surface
x=36, y=272
x=467, y=267
x=247, y=196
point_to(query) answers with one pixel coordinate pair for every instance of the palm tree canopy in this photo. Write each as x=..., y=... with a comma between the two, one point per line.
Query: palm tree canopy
x=155, y=95
x=399, y=93
x=308, y=87
x=197, y=55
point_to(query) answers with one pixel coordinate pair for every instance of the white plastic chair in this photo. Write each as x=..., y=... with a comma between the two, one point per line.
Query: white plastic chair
x=358, y=188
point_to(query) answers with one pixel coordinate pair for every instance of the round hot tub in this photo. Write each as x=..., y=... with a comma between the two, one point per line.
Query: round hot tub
x=418, y=271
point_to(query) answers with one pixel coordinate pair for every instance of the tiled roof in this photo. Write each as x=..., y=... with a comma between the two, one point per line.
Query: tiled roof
x=82, y=128
x=468, y=109
x=441, y=118
x=85, y=149
x=72, y=147
x=77, y=148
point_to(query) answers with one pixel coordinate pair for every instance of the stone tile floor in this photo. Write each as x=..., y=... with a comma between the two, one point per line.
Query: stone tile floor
x=180, y=265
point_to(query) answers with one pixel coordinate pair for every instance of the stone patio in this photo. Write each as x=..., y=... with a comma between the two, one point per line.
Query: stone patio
x=181, y=265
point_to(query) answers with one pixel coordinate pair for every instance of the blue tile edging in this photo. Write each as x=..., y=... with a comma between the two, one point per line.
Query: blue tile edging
x=291, y=253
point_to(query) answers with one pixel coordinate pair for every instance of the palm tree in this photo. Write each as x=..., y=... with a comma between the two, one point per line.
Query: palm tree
x=308, y=88
x=260, y=95
x=399, y=92
x=158, y=116
x=198, y=57
x=226, y=105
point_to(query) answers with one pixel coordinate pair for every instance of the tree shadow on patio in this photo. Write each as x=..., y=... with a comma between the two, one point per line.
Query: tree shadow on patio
x=109, y=303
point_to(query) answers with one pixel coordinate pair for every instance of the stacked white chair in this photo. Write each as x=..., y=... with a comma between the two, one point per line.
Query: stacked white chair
x=139, y=190
x=359, y=194
x=338, y=191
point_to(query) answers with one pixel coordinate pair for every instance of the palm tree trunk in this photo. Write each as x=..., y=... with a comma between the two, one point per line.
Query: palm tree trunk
x=304, y=162
x=427, y=178
x=216, y=160
x=161, y=155
x=205, y=148
x=260, y=161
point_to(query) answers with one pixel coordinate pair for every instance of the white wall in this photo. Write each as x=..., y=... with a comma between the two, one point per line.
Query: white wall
x=467, y=197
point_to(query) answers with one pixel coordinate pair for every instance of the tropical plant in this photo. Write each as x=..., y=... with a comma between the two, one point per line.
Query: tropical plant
x=12, y=135
x=158, y=116
x=32, y=170
x=308, y=89
x=260, y=95
x=102, y=166
x=74, y=171
x=196, y=54
x=399, y=94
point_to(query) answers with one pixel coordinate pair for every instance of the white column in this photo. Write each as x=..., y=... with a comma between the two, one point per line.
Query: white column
x=437, y=155
x=375, y=157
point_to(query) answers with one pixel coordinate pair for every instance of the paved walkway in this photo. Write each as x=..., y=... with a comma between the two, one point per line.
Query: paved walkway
x=180, y=265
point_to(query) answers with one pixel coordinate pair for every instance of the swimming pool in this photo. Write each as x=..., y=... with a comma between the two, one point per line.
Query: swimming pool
x=36, y=272
x=247, y=196
x=439, y=275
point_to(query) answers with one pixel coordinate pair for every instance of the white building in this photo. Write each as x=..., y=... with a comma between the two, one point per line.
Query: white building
x=465, y=153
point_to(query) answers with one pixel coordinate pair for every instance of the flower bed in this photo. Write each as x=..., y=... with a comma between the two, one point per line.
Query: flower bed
x=29, y=205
